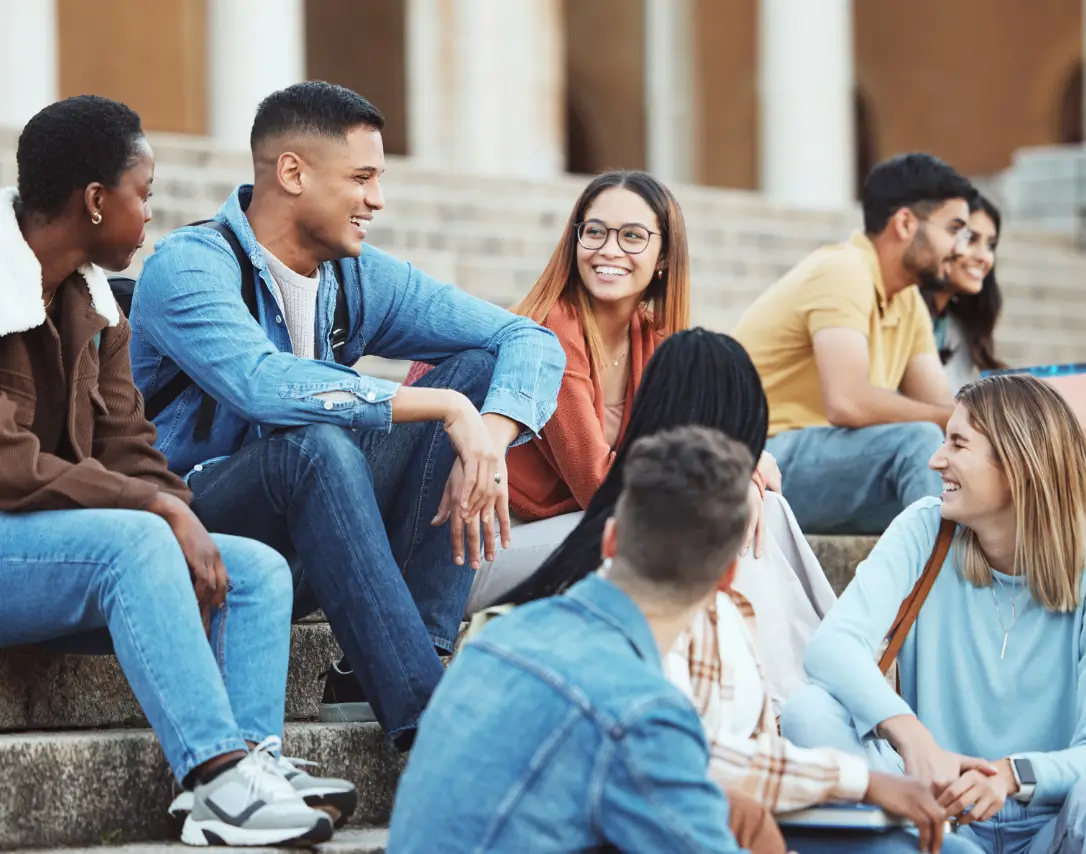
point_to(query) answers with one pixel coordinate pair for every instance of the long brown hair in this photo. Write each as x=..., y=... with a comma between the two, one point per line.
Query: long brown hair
x=667, y=299
x=1039, y=444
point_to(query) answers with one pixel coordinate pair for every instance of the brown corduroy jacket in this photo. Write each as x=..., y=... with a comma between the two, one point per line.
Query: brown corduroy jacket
x=72, y=429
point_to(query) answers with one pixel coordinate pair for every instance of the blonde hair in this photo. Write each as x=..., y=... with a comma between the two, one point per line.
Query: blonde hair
x=1040, y=445
x=667, y=299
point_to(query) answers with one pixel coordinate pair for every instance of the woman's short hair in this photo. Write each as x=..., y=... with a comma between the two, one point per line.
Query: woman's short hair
x=70, y=144
x=1038, y=442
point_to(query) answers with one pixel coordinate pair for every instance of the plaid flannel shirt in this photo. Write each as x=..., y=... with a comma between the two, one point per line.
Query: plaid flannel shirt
x=763, y=765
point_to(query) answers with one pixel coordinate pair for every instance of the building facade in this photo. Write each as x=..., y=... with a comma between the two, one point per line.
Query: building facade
x=792, y=97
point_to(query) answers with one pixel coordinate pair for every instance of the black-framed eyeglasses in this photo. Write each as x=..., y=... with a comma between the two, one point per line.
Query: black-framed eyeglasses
x=632, y=238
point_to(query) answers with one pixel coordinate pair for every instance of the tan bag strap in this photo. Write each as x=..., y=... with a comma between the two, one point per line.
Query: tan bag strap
x=910, y=608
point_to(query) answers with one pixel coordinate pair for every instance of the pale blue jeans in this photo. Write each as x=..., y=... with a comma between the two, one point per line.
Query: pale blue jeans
x=844, y=481
x=813, y=718
x=67, y=572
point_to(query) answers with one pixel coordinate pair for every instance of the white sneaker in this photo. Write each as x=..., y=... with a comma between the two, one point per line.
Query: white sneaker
x=338, y=798
x=252, y=804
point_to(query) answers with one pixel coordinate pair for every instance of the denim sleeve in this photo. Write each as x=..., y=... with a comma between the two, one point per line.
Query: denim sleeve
x=414, y=316
x=188, y=306
x=657, y=795
x=841, y=656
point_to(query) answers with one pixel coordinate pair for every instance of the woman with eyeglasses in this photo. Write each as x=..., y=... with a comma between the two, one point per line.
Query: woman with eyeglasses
x=617, y=284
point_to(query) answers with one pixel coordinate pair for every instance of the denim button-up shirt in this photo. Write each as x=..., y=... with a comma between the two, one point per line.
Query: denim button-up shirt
x=188, y=314
x=556, y=731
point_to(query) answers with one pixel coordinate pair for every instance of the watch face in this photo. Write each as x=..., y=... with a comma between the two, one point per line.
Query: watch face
x=1024, y=769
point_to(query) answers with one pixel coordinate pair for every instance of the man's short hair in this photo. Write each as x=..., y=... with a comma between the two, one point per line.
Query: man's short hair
x=313, y=108
x=920, y=182
x=683, y=511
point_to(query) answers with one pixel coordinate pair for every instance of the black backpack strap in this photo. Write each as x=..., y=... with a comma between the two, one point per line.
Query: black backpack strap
x=176, y=386
x=341, y=321
x=205, y=418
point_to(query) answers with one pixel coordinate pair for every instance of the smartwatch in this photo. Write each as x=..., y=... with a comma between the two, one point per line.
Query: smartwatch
x=1026, y=779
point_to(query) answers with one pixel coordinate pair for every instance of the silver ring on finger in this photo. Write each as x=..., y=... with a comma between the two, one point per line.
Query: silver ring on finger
x=498, y=477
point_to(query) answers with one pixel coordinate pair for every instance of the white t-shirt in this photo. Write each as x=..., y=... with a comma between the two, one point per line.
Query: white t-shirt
x=297, y=298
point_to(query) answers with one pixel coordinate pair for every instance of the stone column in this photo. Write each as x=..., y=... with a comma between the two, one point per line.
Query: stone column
x=254, y=48
x=671, y=96
x=805, y=66
x=486, y=86
x=29, y=63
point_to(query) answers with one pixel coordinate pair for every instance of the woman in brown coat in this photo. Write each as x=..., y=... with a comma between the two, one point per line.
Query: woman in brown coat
x=94, y=530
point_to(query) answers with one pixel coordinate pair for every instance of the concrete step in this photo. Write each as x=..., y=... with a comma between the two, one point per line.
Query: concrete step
x=112, y=788
x=347, y=841
x=45, y=690
x=839, y=557
x=41, y=689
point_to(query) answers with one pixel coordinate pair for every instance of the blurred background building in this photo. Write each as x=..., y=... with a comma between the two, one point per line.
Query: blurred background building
x=793, y=97
x=764, y=114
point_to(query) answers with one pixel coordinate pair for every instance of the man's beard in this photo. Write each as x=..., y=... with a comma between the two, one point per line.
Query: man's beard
x=932, y=281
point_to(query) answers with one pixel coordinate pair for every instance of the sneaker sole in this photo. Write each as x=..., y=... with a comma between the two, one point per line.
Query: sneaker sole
x=211, y=832
x=346, y=713
x=339, y=805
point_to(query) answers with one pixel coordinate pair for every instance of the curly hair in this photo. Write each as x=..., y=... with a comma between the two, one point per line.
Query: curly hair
x=73, y=143
x=313, y=108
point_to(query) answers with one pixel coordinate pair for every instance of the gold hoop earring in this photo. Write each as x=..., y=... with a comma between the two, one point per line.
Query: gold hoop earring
x=96, y=218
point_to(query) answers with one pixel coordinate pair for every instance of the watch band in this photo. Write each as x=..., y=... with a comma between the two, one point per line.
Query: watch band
x=1025, y=790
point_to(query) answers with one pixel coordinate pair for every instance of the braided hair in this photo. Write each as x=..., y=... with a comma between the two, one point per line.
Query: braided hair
x=695, y=377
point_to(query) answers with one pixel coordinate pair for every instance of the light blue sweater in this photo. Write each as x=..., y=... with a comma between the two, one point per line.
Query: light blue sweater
x=1032, y=702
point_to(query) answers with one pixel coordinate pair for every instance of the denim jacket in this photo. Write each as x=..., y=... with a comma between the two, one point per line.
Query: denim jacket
x=556, y=731
x=188, y=314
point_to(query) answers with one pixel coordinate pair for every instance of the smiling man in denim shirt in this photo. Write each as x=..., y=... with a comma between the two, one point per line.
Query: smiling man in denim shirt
x=376, y=491
x=559, y=713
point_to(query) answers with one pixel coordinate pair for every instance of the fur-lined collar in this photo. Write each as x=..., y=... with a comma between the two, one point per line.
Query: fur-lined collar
x=21, y=304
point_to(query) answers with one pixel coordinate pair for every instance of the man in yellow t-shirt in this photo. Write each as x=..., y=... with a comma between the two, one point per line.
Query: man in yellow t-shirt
x=857, y=396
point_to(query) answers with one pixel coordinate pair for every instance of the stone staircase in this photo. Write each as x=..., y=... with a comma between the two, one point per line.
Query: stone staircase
x=81, y=768
x=78, y=767
x=493, y=236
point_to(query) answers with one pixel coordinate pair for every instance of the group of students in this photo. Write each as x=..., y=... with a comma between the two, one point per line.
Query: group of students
x=704, y=678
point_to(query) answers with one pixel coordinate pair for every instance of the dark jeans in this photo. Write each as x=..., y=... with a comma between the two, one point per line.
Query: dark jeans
x=352, y=511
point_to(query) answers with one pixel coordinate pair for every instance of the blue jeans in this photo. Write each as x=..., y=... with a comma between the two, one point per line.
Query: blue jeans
x=813, y=718
x=352, y=511
x=844, y=481
x=65, y=572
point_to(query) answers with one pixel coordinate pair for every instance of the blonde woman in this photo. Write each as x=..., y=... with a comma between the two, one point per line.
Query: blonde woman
x=993, y=668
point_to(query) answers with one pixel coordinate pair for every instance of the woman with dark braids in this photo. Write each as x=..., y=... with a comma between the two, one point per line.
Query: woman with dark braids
x=700, y=377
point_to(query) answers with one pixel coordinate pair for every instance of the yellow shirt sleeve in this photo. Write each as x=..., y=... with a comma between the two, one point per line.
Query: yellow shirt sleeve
x=840, y=294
